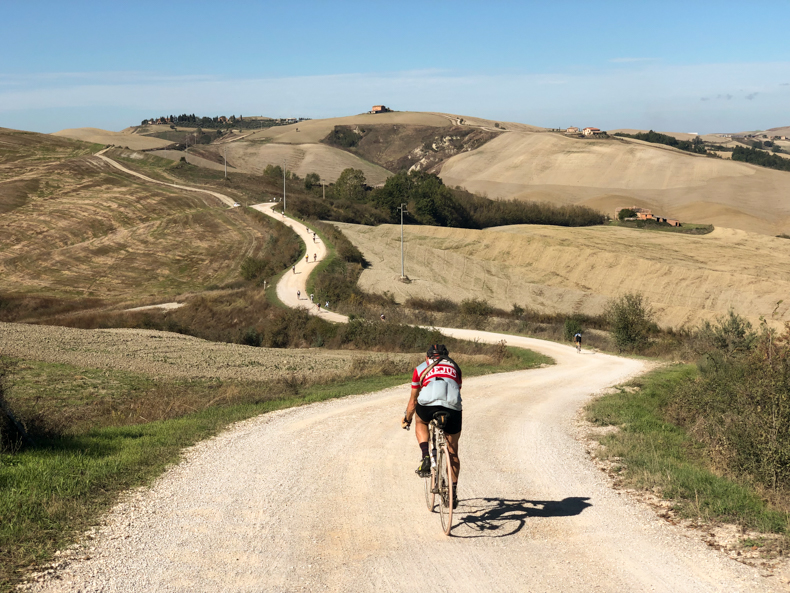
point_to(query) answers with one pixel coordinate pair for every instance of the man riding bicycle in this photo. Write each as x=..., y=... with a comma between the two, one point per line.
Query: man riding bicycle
x=436, y=387
x=577, y=340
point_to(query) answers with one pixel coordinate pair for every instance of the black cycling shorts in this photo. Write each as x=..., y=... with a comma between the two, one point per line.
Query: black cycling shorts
x=454, y=417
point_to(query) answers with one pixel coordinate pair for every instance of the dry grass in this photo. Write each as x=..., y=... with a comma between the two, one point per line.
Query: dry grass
x=73, y=226
x=576, y=270
x=123, y=139
x=605, y=174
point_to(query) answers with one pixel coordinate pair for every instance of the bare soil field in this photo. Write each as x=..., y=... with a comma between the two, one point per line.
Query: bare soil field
x=133, y=141
x=566, y=270
x=328, y=162
x=170, y=355
x=605, y=174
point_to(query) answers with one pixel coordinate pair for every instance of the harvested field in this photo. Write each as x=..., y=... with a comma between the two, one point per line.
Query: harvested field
x=164, y=354
x=73, y=226
x=133, y=141
x=315, y=130
x=302, y=159
x=567, y=270
x=605, y=174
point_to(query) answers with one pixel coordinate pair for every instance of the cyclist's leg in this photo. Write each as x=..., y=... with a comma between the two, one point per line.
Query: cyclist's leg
x=455, y=462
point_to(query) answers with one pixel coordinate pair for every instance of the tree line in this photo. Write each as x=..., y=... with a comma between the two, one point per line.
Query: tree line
x=428, y=201
x=760, y=157
x=696, y=145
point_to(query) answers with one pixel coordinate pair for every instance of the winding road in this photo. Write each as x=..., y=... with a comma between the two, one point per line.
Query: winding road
x=324, y=498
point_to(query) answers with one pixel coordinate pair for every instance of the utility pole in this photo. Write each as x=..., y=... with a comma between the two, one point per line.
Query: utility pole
x=285, y=164
x=403, y=211
x=323, y=186
x=225, y=156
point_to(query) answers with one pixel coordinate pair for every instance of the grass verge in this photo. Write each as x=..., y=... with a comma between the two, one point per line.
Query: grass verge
x=51, y=493
x=649, y=453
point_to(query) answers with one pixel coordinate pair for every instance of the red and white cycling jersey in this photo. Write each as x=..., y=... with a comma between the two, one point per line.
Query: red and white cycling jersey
x=443, y=370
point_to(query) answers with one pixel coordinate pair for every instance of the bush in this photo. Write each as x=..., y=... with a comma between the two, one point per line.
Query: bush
x=740, y=407
x=631, y=320
x=476, y=307
x=626, y=213
x=311, y=179
x=570, y=328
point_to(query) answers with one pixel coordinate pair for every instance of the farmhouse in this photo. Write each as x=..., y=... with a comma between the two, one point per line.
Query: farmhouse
x=572, y=130
x=646, y=214
x=380, y=109
x=222, y=119
x=592, y=132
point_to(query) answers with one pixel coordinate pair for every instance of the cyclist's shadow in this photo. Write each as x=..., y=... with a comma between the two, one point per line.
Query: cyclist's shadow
x=500, y=517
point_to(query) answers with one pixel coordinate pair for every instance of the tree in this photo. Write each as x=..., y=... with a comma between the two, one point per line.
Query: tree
x=273, y=172
x=626, y=213
x=311, y=179
x=145, y=121
x=351, y=185
x=631, y=319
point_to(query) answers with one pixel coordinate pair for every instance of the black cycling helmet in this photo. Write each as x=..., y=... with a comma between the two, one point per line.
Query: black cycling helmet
x=437, y=350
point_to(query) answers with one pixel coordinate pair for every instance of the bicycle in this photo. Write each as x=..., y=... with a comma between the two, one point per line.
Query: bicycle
x=441, y=479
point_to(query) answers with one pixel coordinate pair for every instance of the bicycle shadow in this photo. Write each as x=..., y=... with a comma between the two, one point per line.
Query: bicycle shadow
x=501, y=517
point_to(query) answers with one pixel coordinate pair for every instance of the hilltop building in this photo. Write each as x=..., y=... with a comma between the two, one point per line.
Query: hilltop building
x=646, y=214
x=572, y=130
x=380, y=109
x=592, y=132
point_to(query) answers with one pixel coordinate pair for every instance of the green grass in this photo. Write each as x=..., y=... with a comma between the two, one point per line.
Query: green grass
x=656, y=455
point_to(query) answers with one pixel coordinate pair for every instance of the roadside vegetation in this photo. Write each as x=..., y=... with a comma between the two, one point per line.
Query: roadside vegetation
x=696, y=145
x=711, y=435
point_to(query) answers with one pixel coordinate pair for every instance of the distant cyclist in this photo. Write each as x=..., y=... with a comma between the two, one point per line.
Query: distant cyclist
x=436, y=387
x=577, y=339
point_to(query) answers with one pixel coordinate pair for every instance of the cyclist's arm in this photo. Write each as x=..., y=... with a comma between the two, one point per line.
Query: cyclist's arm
x=412, y=405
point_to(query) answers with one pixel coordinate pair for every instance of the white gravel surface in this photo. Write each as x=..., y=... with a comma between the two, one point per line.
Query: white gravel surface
x=324, y=498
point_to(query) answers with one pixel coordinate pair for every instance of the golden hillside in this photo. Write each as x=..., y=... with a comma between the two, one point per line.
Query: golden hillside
x=565, y=270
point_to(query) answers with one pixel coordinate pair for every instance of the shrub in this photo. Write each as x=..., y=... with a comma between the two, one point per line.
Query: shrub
x=631, y=320
x=570, y=328
x=626, y=213
x=311, y=179
x=476, y=307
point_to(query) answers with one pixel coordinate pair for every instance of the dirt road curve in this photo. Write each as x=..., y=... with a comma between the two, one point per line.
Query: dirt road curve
x=324, y=498
x=221, y=197
x=292, y=282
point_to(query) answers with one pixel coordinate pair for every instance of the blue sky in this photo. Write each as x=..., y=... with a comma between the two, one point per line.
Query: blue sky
x=693, y=66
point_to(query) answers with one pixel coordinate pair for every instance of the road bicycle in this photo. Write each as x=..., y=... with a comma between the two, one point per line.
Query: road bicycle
x=440, y=482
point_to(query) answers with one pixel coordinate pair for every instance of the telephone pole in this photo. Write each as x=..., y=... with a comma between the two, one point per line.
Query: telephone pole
x=285, y=164
x=403, y=211
x=225, y=156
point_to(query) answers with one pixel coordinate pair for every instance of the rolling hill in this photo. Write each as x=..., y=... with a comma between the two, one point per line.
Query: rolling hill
x=567, y=270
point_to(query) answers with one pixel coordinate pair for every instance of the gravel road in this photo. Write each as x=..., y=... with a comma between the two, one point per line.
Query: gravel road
x=324, y=498
x=291, y=282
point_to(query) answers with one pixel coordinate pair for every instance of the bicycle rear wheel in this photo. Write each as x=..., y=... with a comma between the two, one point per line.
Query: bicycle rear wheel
x=444, y=477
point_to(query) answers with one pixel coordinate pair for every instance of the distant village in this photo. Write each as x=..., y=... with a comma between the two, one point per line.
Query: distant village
x=220, y=120
x=574, y=131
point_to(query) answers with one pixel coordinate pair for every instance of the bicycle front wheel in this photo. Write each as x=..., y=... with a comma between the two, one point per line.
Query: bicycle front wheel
x=430, y=491
x=444, y=478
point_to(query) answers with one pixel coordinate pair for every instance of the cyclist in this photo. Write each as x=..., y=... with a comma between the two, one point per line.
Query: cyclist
x=577, y=339
x=436, y=387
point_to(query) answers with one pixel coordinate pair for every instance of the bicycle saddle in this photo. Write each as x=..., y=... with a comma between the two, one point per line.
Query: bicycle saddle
x=441, y=418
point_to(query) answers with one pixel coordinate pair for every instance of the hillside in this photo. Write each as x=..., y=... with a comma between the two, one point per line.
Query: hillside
x=123, y=139
x=568, y=270
x=605, y=174
x=74, y=227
